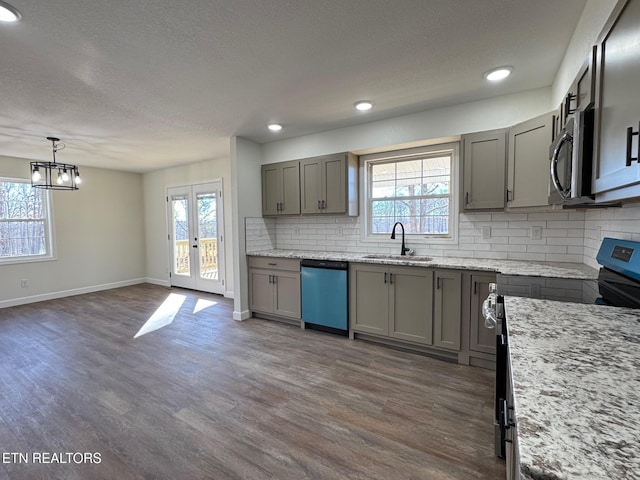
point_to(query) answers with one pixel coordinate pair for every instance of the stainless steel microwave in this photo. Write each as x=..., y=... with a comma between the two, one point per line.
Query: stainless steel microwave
x=571, y=155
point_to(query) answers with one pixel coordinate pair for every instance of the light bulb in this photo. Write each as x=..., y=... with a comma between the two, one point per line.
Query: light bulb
x=65, y=175
x=78, y=180
x=60, y=177
x=35, y=176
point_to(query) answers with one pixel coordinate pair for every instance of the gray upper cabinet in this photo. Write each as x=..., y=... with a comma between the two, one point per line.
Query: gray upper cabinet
x=281, y=188
x=329, y=184
x=447, y=309
x=617, y=172
x=483, y=170
x=528, y=162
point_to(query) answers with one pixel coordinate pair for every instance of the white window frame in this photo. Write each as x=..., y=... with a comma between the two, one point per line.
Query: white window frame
x=407, y=154
x=50, y=253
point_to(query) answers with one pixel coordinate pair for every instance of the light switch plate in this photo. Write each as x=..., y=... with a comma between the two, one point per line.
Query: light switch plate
x=536, y=232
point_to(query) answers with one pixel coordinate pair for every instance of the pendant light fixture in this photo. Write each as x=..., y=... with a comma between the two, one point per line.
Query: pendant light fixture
x=55, y=175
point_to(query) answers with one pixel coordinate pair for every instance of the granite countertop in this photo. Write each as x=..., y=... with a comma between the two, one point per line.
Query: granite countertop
x=576, y=271
x=576, y=376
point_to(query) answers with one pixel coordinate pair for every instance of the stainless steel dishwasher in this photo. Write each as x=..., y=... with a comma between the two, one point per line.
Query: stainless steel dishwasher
x=324, y=295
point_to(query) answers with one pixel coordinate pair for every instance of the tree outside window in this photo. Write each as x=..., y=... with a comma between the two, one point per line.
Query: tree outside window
x=24, y=224
x=416, y=192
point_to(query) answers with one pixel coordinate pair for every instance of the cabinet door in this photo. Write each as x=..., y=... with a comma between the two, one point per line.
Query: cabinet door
x=410, y=304
x=528, y=165
x=287, y=294
x=447, y=309
x=270, y=189
x=261, y=291
x=484, y=165
x=617, y=100
x=290, y=188
x=310, y=185
x=481, y=338
x=334, y=183
x=369, y=298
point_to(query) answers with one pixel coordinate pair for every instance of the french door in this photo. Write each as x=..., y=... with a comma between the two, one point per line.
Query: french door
x=196, y=236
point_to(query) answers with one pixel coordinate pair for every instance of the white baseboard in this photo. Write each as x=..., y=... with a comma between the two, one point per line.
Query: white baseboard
x=68, y=293
x=243, y=315
x=228, y=294
x=157, y=281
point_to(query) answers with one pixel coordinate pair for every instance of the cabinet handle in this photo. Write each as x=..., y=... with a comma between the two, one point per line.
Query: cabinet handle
x=324, y=204
x=475, y=288
x=466, y=198
x=390, y=278
x=275, y=279
x=630, y=134
x=269, y=278
x=437, y=283
x=385, y=277
x=272, y=264
x=509, y=195
x=567, y=104
x=319, y=205
x=277, y=206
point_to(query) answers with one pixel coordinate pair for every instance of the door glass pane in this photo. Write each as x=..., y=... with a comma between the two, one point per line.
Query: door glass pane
x=181, y=250
x=207, y=204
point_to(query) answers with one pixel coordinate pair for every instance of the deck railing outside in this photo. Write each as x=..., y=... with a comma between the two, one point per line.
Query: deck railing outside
x=207, y=253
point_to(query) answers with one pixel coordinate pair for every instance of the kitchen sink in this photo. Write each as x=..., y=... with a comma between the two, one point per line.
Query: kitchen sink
x=410, y=258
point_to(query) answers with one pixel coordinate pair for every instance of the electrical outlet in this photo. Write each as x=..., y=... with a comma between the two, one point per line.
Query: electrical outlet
x=536, y=232
x=296, y=232
x=486, y=232
x=24, y=283
x=339, y=231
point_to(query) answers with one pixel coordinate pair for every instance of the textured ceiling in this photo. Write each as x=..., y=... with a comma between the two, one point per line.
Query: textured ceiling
x=144, y=84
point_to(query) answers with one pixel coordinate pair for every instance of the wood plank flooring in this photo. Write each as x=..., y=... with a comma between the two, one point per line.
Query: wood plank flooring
x=207, y=397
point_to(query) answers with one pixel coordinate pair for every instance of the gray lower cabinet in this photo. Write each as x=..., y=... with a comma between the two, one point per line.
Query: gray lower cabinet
x=481, y=338
x=483, y=170
x=274, y=286
x=617, y=170
x=410, y=300
x=528, y=162
x=447, y=309
x=404, y=304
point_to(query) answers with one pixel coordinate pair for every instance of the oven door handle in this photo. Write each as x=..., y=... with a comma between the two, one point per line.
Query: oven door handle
x=564, y=192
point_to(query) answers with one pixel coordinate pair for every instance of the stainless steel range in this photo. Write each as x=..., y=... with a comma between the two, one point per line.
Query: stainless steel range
x=618, y=285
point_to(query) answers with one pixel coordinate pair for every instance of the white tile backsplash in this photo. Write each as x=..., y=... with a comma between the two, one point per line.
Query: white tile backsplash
x=567, y=236
x=621, y=223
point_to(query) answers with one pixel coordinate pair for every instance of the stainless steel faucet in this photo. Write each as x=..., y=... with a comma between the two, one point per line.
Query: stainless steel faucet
x=404, y=249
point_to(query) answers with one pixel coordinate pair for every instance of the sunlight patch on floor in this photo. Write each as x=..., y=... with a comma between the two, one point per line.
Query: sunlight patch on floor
x=201, y=304
x=164, y=315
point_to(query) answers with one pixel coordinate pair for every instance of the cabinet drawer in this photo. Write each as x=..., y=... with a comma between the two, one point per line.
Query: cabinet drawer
x=274, y=263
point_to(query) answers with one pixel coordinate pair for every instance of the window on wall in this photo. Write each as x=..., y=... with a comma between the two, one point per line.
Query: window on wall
x=25, y=230
x=415, y=187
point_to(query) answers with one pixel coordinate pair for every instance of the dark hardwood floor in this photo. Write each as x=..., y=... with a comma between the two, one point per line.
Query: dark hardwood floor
x=207, y=397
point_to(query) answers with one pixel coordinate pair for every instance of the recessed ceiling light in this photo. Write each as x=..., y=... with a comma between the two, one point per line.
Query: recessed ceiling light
x=8, y=13
x=363, y=105
x=274, y=127
x=498, y=73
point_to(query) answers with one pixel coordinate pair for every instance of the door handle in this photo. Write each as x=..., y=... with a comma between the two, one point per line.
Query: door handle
x=564, y=192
